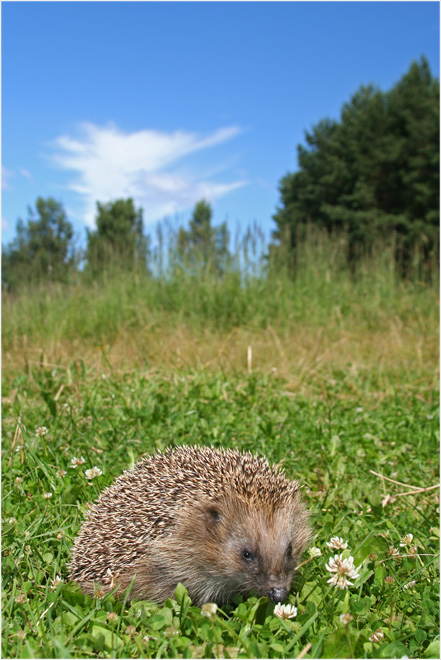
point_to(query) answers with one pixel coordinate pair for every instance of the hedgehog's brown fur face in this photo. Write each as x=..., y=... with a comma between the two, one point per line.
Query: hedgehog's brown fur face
x=246, y=549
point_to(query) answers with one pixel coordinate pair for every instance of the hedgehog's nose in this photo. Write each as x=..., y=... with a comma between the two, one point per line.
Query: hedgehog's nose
x=277, y=594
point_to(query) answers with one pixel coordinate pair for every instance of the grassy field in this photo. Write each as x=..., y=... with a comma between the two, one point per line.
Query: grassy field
x=332, y=372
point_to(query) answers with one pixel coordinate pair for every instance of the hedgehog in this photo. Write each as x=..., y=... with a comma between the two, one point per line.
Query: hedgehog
x=219, y=521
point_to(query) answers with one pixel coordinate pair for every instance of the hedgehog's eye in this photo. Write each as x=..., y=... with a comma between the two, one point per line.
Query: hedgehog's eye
x=248, y=555
x=289, y=551
x=214, y=514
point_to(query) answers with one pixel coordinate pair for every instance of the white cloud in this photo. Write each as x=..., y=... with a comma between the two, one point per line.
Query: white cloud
x=6, y=175
x=111, y=164
x=26, y=174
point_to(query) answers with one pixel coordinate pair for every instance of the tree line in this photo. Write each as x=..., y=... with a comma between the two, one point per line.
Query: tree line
x=371, y=174
x=44, y=248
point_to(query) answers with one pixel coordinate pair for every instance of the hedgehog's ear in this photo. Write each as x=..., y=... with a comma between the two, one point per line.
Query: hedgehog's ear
x=213, y=514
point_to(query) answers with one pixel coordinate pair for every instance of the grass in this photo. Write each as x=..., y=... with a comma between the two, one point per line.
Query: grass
x=324, y=317
x=331, y=443
x=335, y=373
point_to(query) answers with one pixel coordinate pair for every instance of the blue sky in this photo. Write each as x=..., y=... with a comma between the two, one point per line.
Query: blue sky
x=172, y=102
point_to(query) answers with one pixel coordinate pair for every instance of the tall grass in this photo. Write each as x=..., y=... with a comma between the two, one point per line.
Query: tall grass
x=315, y=296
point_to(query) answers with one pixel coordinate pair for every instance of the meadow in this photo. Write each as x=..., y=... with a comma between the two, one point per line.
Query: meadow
x=330, y=369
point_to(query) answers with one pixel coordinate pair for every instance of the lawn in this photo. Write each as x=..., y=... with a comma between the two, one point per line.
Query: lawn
x=332, y=442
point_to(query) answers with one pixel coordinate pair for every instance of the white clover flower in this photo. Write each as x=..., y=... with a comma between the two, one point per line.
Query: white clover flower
x=209, y=610
x=47, y=496
x=359, y=410
x=377, y=636
x=41, y=431
x=337, y=543
x=393, y=552
x=346, y=618
x=406, y=540
x=285, y=611
x=77, y=461
x=61, y=473
x=315, y=552
x=12, y=521
x=410, y=585
x=343, y=569
x=92, y=473
x=21, y=598
x=55, y=582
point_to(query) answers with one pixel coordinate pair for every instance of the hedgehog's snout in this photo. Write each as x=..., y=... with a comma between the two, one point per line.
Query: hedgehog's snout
x=277, y=594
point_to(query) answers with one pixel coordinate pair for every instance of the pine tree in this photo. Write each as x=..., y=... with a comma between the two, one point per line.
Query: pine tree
x=373, y=173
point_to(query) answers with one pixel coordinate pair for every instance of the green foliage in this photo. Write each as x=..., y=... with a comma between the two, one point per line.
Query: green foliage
x=43, y=248
x=117, y=239
x=373, y=173
x=330, y=442
x=202, y=244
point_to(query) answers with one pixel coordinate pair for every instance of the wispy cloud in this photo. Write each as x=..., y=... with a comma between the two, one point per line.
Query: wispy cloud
x=110, y=164
x=26, y=174
x=6, y=175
